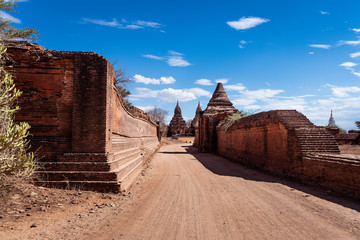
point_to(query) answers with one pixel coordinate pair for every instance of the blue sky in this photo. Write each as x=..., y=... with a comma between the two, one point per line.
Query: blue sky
x=302, y=55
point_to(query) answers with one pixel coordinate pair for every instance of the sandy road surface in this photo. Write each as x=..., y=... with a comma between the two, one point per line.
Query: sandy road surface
x=200, y=196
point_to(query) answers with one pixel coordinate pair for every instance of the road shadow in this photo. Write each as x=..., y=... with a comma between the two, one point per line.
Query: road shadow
x=225, y=167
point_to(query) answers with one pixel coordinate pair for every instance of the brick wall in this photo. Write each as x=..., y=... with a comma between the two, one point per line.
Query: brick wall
x=286, y=143
x=81, y=129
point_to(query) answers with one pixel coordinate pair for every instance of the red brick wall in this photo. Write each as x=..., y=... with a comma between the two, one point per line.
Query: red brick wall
x=279, y=142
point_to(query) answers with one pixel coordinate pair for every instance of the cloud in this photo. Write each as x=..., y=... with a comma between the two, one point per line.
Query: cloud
x=148, y=24
x=152, y=57
x=352, y=43
x=237, y=87
x=324, y=13
x=261, y=93
x=175, y=53
x=322, y=46
x=348, y=64
x=163, y=80
x=145, y=108
x=246, y=23
x=222, y=80
x=167, y=95
x=199, y=92
x=7, y=17
x=354, y=55
x=115, y=24
x=311, y=53
x=242, y=44
x=342, y=91
x=174, y=59
x=177, y=61
x=357, y=30
x=204, y=82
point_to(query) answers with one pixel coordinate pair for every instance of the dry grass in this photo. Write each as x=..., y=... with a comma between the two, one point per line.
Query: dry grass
x=350, y=149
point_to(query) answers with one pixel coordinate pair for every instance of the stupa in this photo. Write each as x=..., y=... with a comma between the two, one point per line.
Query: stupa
x=218, y=108
x=177, y=124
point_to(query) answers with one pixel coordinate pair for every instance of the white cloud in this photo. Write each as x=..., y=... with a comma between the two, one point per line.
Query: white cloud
x=7, y=17
x=342, y=91
x=171, y=95
x=348, y=64
x=153, y=57
x=352, y=43
x=322, y=46
x=177, y=61
x=237, y=87
x=222, y=80
x=357, y=30
x=146, y=108
x=324, y=13
x=311, y=53
x=354, y=55
x=246, y=23
x=175, y=53
x=199, y=92
x=355, y=73
x=163, y=80
x=261, y=93
x=148, y=24
x=204, y=82
x=242, y=44
x=243, y=101
x=114, y=23
x=17, y=1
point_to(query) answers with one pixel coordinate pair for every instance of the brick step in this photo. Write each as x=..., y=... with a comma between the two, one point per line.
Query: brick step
x=83, y=157
x=119, y=144
x=126, y=152
x=74, y=166
x=314, y=143
x=335, y=157
x=339, y=160
x=89, y=175
x=101, y=186
x=307, y=151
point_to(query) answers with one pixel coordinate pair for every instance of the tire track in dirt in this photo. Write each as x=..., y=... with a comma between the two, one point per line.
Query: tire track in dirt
x=202, y=196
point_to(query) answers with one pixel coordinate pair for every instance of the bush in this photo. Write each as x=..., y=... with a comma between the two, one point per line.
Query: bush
x=14, y=158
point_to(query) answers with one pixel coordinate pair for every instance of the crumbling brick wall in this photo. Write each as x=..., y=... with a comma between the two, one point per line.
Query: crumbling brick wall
x=80, y=126
x=286, y=143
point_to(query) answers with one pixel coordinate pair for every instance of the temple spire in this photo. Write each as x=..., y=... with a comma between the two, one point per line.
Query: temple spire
x=331, y=120
x=219, y=101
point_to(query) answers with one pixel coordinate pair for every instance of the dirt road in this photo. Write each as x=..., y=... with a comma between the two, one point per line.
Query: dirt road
x=190, y=195
x=202, y=196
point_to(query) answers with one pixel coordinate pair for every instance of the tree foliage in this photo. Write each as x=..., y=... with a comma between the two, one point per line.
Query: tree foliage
x=121, y=82
x=357, y=124
x=158, y=115
x=7, y=31
x=14, y=158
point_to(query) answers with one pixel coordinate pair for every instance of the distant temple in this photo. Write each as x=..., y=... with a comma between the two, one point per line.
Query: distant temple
x=177, y=124
x=195, y=124
x=331, y=121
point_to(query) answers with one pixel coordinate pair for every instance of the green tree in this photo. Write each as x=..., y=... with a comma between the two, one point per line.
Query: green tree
x=357, y=124
x=7, y=31
x=14, y=158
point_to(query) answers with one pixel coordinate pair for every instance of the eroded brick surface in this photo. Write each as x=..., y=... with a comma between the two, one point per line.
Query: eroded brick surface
x=82, y=131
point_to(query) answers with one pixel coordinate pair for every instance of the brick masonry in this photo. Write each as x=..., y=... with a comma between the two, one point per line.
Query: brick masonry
x=82, y=131
x=286, y=143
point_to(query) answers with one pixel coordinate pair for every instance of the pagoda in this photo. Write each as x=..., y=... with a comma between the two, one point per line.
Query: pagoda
x=331, y=121
x=218, y=108
x=177, y=124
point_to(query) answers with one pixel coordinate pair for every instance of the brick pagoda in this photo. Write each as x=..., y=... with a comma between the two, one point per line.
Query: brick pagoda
x=177, y=124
